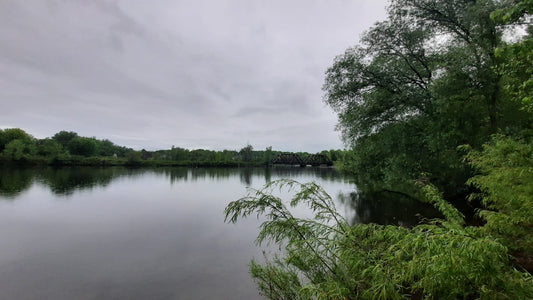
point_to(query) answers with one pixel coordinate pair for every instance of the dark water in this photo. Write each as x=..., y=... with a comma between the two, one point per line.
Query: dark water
x=116, y=233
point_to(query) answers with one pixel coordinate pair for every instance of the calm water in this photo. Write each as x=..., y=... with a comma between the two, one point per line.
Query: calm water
x=116, y=233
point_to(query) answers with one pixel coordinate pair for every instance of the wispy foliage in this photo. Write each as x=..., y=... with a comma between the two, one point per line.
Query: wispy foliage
x=324, y=258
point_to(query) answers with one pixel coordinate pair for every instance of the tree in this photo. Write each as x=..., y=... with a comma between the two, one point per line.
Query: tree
x=105, y=148
x=49, y=148
x=246, y=153
x=10, y=134
x=19, y=149
x=64, y=137
x=419, y=85
x=516, y=60
x=82, y=146
x=134, y=157
x=268, y=156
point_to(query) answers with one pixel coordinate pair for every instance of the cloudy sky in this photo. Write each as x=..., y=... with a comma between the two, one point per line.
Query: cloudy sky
x=212, y=74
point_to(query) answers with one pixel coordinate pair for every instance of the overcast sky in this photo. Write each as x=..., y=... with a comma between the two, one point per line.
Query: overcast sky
x=212, y=74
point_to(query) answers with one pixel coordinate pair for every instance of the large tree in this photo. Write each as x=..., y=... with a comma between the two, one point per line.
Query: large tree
x=418, y=85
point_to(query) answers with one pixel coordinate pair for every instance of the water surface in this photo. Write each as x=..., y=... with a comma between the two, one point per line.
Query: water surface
x=117, y=233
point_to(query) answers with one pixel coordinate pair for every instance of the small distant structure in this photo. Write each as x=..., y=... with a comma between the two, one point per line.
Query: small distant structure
x=288, y=159
x=295, y=159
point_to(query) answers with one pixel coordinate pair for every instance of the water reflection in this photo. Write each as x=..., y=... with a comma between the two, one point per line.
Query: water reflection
x=248, y=175
x=365, y=207
x=387, y=208
x=14, y=181
x=149, y=233
x=65, y=181
x=61, y=181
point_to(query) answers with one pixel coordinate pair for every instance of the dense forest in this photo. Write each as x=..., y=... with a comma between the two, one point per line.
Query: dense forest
x=435, y=102
x=68, y=148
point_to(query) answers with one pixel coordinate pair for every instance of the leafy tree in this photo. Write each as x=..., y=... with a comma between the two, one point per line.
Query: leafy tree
x=179, y=154
x=516, y=60
x=106, y=148
x=82, y=146
x=19, y=149
x=64, y=137
x=146, y=154
x=268, y=155
x=10, y=134
x=134, y=157
x=49, y=148
x=420, y=84
x=246, y=153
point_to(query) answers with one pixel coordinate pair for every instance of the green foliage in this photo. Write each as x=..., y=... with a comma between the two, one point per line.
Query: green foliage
x=506, y=190
x=324, y=258
x=514, y=13
x=246, y=153
x=268, y=156
x=82, y=146
x=49, y=148
x=64, y=137
x=516, y=60
x=19, y=149
x=10, y=134
x=134, y=157
x=420, y=84
x=275, y=281
x=106, y=148
x=516, y=69
x=68, y=148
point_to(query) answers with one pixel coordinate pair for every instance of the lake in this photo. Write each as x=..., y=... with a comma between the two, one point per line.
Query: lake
x=119, y=233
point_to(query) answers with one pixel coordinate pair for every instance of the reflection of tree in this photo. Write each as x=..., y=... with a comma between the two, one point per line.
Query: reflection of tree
x=176, y=174
x=246, y=176
x=211, y=173
x=268, y=174
x=326, y=174
x=64, y=181
x=387, y=208
x=14, y=181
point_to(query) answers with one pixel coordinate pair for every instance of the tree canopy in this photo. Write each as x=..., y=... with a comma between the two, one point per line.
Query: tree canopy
x=421, y=83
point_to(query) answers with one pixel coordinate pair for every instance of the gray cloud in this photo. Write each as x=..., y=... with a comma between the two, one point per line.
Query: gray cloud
x=195, y=74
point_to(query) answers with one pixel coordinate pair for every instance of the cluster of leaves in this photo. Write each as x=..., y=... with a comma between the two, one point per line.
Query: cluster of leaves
x=325, y=258
x=516, y=59
x=506, y=190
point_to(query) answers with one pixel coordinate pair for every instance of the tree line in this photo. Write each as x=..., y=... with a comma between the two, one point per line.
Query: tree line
x=68, y=148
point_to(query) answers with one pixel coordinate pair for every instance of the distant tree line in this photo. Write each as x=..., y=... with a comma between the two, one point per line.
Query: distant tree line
x=69, y=148
x=65, y=147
